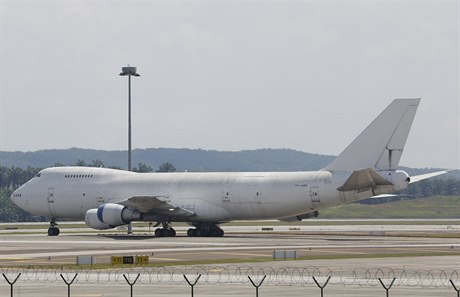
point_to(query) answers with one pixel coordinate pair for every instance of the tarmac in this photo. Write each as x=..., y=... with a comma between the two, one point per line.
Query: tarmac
x=346, y=248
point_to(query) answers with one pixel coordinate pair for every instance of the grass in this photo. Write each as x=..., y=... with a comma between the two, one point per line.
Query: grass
x=239, y=261
x=437, y=207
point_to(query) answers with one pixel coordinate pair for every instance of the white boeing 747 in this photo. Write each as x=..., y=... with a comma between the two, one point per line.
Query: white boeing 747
x=107, y=198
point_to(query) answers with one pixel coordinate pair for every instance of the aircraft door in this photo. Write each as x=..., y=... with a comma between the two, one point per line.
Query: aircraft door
x=226, y=191
x=50, y=201
x=314, y=196
x=225, y=196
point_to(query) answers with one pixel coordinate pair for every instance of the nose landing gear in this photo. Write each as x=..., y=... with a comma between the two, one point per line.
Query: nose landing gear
x=53, y=230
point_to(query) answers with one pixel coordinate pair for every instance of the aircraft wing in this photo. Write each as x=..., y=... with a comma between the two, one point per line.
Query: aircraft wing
x=156, y=205
x=417, y=178
x=364, y=179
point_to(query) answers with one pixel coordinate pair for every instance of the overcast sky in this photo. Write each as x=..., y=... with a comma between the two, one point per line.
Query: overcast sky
x=228, y=75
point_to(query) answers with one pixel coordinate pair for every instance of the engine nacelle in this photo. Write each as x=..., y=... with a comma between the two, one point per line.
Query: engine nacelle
x=110, y=215
x=92, y=220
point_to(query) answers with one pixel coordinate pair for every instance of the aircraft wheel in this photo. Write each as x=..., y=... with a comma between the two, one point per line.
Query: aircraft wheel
x=206, y=233
x=171, y=232
x=53, y=231
x=217, y=233
x=159, y=232
x=191, y=232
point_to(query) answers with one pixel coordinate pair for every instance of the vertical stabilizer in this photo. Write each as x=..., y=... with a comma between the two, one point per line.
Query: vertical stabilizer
x=381, y=144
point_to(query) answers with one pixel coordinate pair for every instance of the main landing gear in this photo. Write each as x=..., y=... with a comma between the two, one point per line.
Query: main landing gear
x=205, y=230
x=166, y=231
x=53, y=230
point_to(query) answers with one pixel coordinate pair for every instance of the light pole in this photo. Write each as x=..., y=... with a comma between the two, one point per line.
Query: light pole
x=129, y=71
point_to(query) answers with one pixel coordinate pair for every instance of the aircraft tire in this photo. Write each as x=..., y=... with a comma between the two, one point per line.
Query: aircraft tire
x=163, y=232
x=217, y=233
x=159, y=232
x=53, y=231
x=191, y=232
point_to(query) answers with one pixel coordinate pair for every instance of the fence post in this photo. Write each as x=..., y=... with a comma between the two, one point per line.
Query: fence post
x=190, y=284
x=389, y=287
x=323, y=286
x=68, y=284
x=455, y=288
x=257, y=286
x=11, y=283
x=131, y=284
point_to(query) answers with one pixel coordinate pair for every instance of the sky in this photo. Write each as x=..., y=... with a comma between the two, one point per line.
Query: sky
x=228, y=75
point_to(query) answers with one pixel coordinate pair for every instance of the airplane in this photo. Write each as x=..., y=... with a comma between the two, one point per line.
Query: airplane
x=107, y=198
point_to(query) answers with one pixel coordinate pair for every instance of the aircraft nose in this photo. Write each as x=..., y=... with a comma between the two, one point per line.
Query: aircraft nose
x=16, y=198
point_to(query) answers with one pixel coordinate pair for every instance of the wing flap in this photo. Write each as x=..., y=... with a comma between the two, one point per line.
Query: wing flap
x=156, y=205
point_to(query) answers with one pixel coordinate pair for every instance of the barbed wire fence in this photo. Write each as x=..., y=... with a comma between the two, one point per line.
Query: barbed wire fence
x=237, y=274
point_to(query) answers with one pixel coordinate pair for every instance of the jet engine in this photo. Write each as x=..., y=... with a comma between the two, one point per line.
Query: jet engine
x=110, y=215
x=92, y=220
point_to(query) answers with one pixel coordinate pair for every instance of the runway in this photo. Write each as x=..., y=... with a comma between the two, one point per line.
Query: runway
x=240, y=242
x=423, y=256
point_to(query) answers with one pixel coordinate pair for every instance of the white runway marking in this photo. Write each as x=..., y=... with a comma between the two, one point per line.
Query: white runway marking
x=233, y=248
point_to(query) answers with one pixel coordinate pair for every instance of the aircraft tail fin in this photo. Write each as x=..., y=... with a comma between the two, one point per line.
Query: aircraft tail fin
x=381, y=144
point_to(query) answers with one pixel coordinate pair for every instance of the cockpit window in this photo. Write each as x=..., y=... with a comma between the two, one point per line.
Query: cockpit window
x=38, y=174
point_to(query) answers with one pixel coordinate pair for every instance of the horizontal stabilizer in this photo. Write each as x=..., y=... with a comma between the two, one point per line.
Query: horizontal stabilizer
x=417, y=178
x=154, y=205
x=364, y=179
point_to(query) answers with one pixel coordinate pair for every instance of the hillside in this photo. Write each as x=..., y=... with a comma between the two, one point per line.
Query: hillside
x=185, y=159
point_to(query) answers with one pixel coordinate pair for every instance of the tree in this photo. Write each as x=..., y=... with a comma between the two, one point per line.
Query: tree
x=4, y=178
x=115, y=167
x=16, y=174
x=80, y=163
x=28, y=173
x=141, y=167
x=167, y=167
x=97, y=163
